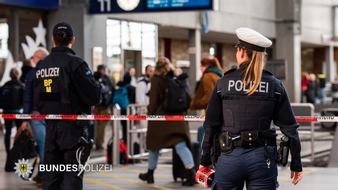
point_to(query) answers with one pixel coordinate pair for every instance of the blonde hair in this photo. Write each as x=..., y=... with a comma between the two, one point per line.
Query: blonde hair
x=254, y=69
x=163, y=66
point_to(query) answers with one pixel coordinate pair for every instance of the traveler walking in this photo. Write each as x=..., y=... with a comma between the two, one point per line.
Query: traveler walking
x=143, y=86
x=212, y=71
x=334, y=90
x=322, y=87
x=162, y=134
x=127, y=92
x=105, y=106
x=11, y=103
x=304, y=83
x=312, y=90
x=38, y=126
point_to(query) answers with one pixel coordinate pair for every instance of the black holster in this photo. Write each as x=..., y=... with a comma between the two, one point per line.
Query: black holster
x=225, y=142
x=88, y=145
x=85, y=145
x=283, y=151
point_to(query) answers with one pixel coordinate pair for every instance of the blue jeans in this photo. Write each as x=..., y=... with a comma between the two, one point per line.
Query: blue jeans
x=39, y=132
x=181, y=149
x=322, y=95
x=247, y=165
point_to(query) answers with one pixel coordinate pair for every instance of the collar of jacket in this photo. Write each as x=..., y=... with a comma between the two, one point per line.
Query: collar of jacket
x=62, y=49
x=38, y=63
x=214, y=70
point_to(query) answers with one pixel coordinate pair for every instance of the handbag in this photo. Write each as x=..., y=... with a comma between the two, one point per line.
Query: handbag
x=24, y=147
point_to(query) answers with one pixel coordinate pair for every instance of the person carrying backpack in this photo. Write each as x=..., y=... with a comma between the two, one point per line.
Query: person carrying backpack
x=38, y=127
x=143, y=86
x=107, y=93
x=164, y=134
x=124, y=95
x=11, y=98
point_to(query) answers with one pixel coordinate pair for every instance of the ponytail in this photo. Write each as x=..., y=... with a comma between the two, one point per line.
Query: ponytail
x=254, y=70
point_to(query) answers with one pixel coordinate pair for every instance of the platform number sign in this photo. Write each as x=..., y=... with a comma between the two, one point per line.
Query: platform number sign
x=105, y=5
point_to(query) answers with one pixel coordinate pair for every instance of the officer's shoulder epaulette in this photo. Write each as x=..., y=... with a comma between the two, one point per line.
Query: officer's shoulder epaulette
x=230, y=70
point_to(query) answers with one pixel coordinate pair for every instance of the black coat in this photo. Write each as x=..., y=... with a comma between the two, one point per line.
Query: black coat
x=311, y=93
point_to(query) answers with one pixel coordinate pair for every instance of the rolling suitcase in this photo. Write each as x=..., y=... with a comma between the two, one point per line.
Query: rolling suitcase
x=179, y=170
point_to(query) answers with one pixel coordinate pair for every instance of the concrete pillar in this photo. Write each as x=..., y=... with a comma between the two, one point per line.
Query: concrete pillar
x=14, y=41
x=330, y=64
x=74, y=15
x=194, y=56
x=95, y=36
x=288, y=44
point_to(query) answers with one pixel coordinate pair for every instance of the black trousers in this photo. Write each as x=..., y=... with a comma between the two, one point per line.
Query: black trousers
x=8, y=126
x=60, y=145
x=124, y=127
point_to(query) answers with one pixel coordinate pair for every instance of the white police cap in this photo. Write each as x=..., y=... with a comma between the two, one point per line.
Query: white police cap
x=253, y=40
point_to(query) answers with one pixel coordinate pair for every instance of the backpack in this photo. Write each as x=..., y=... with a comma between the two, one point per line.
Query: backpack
x=106, y=93
x=24, y=147
x=11, y=97
x=124, y=158
x=176, y=98
x=121, y=97
x=147, y=82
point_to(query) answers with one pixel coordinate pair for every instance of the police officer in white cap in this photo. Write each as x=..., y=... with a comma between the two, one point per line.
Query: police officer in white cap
x=240, y=111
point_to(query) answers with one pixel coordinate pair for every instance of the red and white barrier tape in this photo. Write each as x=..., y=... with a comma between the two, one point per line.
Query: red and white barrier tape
x=105, y=117
x=145, y=117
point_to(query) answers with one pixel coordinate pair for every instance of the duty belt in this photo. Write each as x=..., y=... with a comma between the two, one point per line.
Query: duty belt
x=258, y=142
x=246, y=139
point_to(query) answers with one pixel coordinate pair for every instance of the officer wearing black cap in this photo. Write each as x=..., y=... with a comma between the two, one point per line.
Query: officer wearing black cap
x=64, y=84
x=240, y=111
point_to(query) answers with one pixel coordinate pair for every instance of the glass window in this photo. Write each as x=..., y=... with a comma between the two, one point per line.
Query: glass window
x=149, y=39
x=130, y=36
x=113, y=38
x=135, y=31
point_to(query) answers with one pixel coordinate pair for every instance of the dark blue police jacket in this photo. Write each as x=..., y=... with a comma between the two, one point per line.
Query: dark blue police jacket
x=231, y=109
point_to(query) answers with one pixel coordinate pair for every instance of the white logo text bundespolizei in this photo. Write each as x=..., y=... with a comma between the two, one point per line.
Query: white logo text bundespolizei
x=75, y=168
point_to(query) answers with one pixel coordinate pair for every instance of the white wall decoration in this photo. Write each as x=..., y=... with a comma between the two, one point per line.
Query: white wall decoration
x=28, y=50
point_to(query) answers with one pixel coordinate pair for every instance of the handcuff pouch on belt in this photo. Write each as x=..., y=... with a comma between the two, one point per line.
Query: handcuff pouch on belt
x=249, y=138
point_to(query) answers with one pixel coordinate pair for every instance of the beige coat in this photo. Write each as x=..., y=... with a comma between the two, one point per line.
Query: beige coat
x=204, y=90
